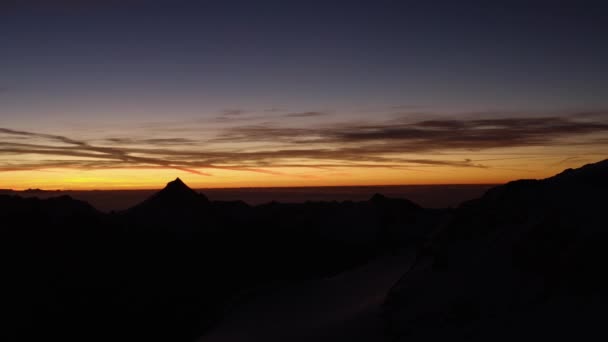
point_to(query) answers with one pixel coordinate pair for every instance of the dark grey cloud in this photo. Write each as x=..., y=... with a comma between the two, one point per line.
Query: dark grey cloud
x=156, y=142
x=77, y=148
x=233, y=112
x=595, y=115
x=370, y=145
x=433, y=135
x=129, y=157
x=306, y=114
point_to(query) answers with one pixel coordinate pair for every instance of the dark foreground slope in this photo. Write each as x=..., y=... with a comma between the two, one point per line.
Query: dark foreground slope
x=166, y=269
x=344, y=307
x=527, y=260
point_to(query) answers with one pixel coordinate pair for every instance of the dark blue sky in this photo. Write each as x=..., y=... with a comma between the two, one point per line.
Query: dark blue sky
x=79, y=57
x=309, y=92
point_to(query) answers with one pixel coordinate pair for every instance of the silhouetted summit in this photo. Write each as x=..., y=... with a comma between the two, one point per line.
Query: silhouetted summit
x=175, y=195
x=178, y=191
x=590, y=174
x=526, y=259
x=176, y=207
x=177, y=186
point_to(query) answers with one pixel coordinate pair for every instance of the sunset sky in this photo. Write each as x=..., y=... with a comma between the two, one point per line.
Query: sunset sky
x=131, y=94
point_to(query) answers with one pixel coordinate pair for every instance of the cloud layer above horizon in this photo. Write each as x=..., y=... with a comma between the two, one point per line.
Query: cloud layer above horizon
x=277, y=147
x=280, y=93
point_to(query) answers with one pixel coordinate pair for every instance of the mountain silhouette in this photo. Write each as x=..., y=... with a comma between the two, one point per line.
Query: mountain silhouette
x=176, y=188
x=522, y=259
x=176, y=207
x=525, y=259
x=176, y=194
x=54, y=208
x=590, y=174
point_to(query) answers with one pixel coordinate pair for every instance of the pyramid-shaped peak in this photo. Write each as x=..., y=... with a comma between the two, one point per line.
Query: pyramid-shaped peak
x=177, y=188
x=178, y=191
x=177, y=184
x=175, y=197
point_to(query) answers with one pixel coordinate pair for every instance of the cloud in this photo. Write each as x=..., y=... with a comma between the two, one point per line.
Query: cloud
x=434, y=135
x=233, y=112
x=601, y=115
x=81, y=149
x=264, y=148
x=156, y=142
x=306, y=114
x=192, y=161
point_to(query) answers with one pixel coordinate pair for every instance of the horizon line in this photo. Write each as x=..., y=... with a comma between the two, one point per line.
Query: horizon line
x=259, y=187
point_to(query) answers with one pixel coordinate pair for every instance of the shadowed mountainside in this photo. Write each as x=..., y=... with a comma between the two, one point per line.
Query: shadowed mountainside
x=166, y=268
x=524, y=259
x=428, y=196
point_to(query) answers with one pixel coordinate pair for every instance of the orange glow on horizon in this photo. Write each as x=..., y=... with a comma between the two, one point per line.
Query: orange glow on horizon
x=122, y=179
x=350, y=154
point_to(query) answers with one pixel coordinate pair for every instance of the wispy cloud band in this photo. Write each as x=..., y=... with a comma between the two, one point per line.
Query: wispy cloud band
x=264, y=148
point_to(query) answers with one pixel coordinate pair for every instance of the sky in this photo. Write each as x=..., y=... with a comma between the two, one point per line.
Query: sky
x=131, y=94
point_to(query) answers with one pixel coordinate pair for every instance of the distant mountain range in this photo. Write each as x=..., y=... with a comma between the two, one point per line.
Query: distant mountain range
x=526, y=256
x=526, y=259
x=428, y=196
x=165, y=268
